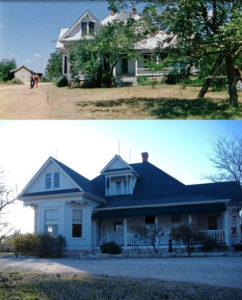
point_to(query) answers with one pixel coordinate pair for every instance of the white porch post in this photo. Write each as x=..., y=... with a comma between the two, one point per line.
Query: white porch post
x=226, y=228
x=125, y=232
x=136, y=67
x=190, y=220
x=156, y=222
x=114, y=71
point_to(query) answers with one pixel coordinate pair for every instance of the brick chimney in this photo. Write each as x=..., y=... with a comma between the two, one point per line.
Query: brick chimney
x=145, y=156
x=134, y=12
x=112, y=13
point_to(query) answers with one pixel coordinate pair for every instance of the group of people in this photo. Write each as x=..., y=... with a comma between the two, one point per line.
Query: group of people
x=34, y=80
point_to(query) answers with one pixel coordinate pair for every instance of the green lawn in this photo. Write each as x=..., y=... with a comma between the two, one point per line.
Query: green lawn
x=33, y=286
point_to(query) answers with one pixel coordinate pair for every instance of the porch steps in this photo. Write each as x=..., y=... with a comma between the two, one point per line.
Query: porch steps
x=126, y=81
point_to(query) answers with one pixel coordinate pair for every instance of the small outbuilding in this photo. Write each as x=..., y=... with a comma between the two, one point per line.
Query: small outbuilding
x=23, y=73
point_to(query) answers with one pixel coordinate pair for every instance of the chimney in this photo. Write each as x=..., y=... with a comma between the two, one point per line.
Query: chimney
x=134, y=11
x=112, y=13
x=145, y=156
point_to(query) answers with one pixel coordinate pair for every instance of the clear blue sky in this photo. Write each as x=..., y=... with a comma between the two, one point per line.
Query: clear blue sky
x=28, y=28
x=179, y=148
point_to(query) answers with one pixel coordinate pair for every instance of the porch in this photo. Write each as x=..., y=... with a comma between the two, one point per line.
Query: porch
x=121, y=230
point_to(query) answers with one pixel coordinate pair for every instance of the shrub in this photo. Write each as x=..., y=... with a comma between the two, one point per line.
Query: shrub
x=238, y=247
x=41, y=245
x=25, y=244
x=111, y=248
x=187, y=236
x=62, y=81
x=44, y=79
x=143, y=80
x=219, y=84
x=16, y=81
x=210, y=244
x=174, y=77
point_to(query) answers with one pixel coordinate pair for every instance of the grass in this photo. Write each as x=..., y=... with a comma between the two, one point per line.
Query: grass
x=174, y=108
x=33, y=286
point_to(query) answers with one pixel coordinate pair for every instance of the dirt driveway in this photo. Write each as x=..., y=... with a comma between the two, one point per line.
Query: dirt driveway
x=220, y=271
x=141, y=102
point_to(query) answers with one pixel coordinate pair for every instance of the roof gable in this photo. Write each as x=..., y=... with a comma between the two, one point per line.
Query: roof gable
x=117, y=164
x=76, y=27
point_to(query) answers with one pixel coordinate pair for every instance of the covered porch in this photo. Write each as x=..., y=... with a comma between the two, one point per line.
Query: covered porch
x=212, y=219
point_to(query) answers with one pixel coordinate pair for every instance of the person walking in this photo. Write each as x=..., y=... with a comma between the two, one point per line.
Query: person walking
x=36, y=79
x=32, y=80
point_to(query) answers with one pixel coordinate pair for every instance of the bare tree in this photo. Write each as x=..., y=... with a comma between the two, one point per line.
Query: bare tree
x=227, y=159
x=6, y=198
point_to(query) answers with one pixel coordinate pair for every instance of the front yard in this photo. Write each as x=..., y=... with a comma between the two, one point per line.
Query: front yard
x=33, y=286
x=141, y=102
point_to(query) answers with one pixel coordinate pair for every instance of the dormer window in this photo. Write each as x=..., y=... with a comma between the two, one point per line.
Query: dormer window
x=91, y=28
x=56, y=180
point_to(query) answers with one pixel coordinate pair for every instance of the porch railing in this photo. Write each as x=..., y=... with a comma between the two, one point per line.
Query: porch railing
x=135, y=239
x=147, y=71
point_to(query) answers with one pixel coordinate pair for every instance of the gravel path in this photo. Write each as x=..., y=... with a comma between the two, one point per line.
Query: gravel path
x=221, y=271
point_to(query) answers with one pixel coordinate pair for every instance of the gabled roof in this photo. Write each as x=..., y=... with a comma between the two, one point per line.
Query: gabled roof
x=68, y=33
x=18, y=68
x=59, y=44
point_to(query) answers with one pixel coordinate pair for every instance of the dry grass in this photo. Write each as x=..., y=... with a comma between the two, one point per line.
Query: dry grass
x=33, y=286
x=141, y=102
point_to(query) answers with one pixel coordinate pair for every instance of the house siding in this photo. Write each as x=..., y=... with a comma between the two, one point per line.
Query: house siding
x=23, y=75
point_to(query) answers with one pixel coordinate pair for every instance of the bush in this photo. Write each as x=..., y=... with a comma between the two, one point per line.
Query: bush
x=6, y=66
x=238, y=247
x=219, y=84
x=62, y=81
x=187, y=236
x=111, y=248
x=44, y=79
x=210, y=244
x=174, y=77
x=41, y=245
x=16, y=81
x=143, y=80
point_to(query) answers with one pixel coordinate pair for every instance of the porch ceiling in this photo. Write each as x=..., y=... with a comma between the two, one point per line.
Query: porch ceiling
x=160, y=210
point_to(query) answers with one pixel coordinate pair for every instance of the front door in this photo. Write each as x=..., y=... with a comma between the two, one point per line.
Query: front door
x=125, y=66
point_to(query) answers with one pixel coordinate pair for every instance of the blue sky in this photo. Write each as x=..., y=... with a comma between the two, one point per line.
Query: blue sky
x=179, y=148
x=28, y=28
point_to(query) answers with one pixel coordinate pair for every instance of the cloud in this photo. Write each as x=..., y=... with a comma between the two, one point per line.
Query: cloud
x=27, y=61
x=37, y=55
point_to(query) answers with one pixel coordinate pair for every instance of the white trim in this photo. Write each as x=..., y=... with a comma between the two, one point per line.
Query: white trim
x=50, y=159
x=167, y=204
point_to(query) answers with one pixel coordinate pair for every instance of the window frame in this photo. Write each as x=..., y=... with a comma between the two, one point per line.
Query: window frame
x=48, y=181
x=75, y=222
x=54, y=180
x=54, y=221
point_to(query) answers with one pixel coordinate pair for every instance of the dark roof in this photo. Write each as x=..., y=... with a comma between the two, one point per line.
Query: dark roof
x=155, y=187
x=80, y=180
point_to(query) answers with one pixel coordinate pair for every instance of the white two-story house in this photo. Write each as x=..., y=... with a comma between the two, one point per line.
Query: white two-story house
x=126, y=69
x=90, y=212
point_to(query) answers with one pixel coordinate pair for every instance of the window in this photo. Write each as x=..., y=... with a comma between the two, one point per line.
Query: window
x=212, y=223
x=48, y=181
x=65, y=64
x=176, y=218
x=51, y=222
x=117, y=227
x=149, y=220
x=56, y=180
x=77, y=223
x=84, y=28
x=91, y=28
x=108, y=183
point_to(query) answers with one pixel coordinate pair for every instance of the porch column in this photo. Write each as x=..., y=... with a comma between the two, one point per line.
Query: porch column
x=114, y=71
x=156, y=222
x=226, y=228
x=125, y=232
x=190, y=220
x=136, y=67
x=238, y=227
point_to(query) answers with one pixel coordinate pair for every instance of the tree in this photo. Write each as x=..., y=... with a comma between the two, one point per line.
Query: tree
x=97, y=58
x=54, y=67
x=6, y=66
x=202, y=28
x=6, y=199
x=227, y=159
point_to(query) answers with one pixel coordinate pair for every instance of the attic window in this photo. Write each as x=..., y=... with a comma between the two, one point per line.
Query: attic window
x=56, y=180
x=84, y=28
x=48, y=181
x=91, y=28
